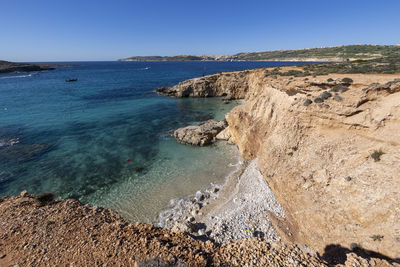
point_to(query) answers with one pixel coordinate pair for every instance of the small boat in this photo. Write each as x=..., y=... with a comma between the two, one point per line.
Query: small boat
x=147, y=68
x=71, y=80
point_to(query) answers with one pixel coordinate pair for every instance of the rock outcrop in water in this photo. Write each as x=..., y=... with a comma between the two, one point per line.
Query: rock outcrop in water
x=8, y=67
x=5, y=142
x=13, y=151
x=231, y=85
x=200, y=135
x=329, y=151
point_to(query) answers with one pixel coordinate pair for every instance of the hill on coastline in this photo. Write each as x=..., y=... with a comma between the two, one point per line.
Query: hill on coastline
x=8, y=67
x=337, y=53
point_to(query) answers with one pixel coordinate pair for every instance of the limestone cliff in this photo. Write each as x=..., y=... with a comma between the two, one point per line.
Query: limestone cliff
x=233, y=85
x=332, y=161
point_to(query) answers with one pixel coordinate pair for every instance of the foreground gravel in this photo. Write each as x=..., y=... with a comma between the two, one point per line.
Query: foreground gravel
x=68, y=233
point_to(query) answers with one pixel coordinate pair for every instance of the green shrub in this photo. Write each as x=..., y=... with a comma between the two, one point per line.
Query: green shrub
x=347, y=80
x=377, y=237
x=339, y=88
x=376, y=155
x=330, y=80
x=318, y=100
x=296, y=73
x=307, y=102
x=325, y=95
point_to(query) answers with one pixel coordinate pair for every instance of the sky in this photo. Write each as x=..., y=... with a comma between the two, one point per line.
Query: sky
x=85, y=30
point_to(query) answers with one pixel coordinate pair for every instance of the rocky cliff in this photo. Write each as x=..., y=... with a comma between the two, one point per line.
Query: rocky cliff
x=232, y=85
x=327, y=146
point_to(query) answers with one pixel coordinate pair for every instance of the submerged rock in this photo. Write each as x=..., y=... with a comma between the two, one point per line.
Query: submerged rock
x=200, y=135
x=23, y=152
x=5, y=142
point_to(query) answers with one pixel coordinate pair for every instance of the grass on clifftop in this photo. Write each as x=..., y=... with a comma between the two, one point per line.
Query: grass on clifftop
x=329, y=53
x=386, y=65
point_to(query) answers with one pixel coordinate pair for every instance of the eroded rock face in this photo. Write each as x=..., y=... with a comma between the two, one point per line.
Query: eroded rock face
x=199, y=135
x=232, y=85
x=318, y=158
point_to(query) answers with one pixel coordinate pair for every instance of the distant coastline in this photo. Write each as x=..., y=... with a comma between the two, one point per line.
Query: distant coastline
x=10, y=67
x=322, y=54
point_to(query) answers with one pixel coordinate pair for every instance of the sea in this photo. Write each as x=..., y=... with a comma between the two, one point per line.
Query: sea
x=104, y=139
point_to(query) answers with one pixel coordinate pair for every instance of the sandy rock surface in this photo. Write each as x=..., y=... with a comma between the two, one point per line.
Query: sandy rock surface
x=328, y=148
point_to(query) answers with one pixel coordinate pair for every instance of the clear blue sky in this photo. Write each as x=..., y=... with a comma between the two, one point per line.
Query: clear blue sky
x=56, y=30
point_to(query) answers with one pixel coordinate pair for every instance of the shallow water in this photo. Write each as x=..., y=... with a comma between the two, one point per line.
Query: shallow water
x=108, y=134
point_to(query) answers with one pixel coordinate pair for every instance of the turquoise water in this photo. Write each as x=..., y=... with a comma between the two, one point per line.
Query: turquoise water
x=106, y=136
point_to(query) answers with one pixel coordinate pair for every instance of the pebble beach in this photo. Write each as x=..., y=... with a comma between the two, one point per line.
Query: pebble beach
x=236, y=210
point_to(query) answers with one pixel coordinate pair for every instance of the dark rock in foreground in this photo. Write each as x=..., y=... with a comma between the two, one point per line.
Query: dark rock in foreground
x=200, y=135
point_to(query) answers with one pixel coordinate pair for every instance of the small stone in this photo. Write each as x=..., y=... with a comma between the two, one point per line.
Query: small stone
x=194, y=212
x=215, y=190
x=307, y=102
x=24, y=193
x=201, y=197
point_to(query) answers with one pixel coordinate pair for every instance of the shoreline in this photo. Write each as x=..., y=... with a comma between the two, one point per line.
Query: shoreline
x=239, y=209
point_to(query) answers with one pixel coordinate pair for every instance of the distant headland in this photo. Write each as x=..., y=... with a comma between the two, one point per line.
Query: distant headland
x=320, y=54
x=9, y=67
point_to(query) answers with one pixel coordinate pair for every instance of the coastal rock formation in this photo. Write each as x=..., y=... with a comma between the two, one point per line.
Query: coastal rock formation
x=41, y=232
x=332, y=164
x=200, y=135
x=8, y=67
x=231, y=85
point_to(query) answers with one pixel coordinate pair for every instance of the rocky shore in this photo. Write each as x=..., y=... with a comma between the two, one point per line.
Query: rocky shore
x=318, y=186
x=238, y=210
x=9, y=67
x=39, y=231
x=327, y=147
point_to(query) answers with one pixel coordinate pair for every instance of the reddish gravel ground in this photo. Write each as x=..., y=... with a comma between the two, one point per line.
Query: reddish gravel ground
x=69, y=233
